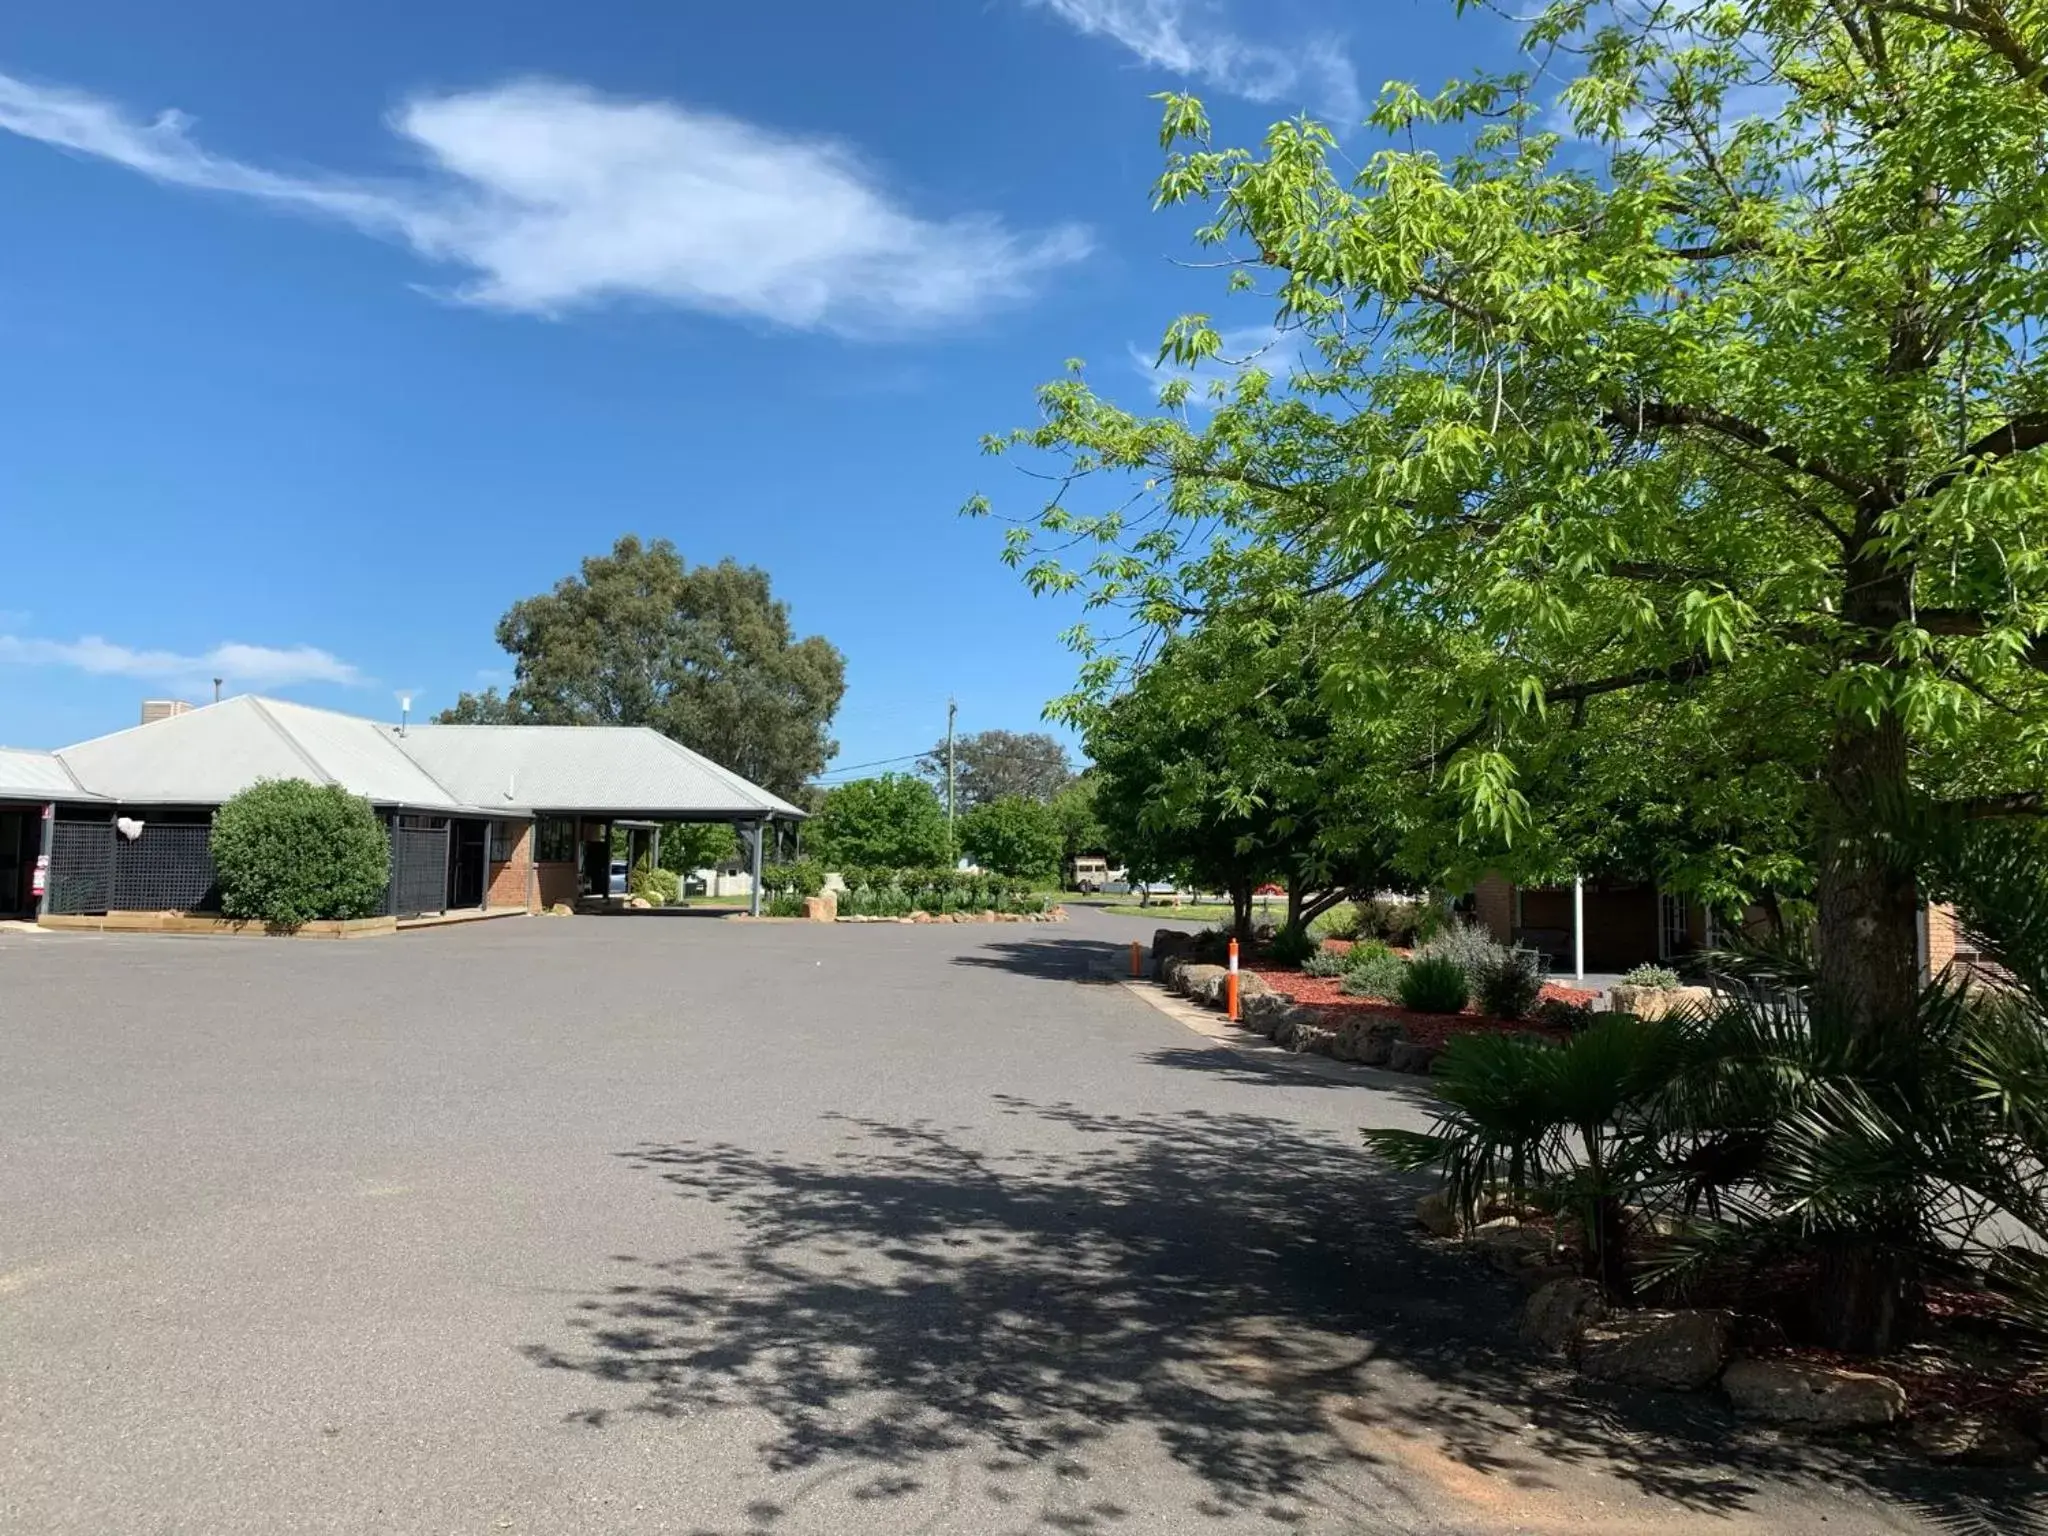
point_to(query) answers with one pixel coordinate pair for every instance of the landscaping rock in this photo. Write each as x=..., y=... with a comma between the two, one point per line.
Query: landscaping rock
x=821, y=909
x=1411, y=1056
x=1376, y=1042
x=1972, y=1438
x=1263, y=1011
x=1669, y=1351
x=1250, y=984
x=1560, y=1310
x=1318, y=1039
x=1656, y=1002
x=1812, y=1396
x=1198, y=981
x=1509, y=1246
x=1437, y=1215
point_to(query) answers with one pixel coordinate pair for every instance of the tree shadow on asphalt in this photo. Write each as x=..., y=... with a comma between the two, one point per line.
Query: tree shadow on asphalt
x=1053, y=959
x=1289, y=1072
x=1247, y=1295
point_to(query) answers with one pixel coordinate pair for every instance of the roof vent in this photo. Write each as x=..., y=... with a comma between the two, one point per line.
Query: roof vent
x=154, y=710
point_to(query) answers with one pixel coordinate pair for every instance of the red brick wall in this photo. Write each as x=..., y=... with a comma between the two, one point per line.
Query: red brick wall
x=508, y=877
x=1493, y=903
x=558, y=883
x=1941, y=937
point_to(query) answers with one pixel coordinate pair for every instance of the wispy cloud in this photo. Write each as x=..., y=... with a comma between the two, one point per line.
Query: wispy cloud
x=1279, y=353
x=1191, y=38
x=243, y=666
x=548, y=197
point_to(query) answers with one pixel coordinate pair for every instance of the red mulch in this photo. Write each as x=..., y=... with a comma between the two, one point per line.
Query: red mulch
x=1423, y=1028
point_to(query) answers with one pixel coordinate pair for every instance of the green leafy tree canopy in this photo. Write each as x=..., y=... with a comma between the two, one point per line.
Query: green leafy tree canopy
x=704, y=654
x=989, y=765
x=1014, y=836
x=894, y=819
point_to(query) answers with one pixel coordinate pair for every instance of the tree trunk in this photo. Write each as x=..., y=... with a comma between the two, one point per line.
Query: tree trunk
x=1294, y=895
x=1868, y=980
x=1241, y=910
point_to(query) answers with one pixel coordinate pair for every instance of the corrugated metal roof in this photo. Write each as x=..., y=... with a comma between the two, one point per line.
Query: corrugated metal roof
x=213, y=753
x=584, y=767
x=28, y=775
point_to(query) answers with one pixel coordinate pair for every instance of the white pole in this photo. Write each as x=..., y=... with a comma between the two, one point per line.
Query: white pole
x=1578, y=928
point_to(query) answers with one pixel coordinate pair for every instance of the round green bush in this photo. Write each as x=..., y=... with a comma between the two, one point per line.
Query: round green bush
x=288, y=853
x=663, y=887
x=1292, y=945
x=1434, y=984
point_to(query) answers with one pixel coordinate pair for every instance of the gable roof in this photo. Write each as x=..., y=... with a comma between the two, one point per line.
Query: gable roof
x=212, y=753
x=26, y=775
x=625, y=769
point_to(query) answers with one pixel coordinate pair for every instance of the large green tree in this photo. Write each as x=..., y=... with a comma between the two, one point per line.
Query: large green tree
x=1014, y=836
x=894, y=819
x=704, y=654
x=988, y=765
x=1716, y=378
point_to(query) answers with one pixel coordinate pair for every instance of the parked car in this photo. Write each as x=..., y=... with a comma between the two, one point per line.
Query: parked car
x=621, y=877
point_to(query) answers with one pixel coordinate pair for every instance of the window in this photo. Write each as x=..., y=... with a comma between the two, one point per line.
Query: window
x=502, y=840
x=555, y=841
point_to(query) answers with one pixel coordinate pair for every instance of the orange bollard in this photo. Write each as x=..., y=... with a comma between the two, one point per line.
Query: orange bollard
x=1137, y=963
x=1230, y=986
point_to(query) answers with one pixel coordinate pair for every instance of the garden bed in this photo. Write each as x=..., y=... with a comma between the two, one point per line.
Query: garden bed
x=1327, y=993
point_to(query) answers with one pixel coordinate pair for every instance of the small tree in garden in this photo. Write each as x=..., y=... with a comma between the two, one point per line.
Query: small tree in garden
x=893, y=819
x=288, y=853
x=1013, y=836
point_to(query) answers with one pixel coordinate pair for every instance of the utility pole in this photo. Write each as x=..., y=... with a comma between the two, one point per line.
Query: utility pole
x=952, y=709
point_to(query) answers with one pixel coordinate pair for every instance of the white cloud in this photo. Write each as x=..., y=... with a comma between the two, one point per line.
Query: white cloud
x=1188, y=38
x=550, y=196
x=1279, y=353
x=242, y=666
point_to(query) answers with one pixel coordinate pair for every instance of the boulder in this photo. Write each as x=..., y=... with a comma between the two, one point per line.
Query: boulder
x=1262, y=1012
x=1812, y=1396
x=1316, y=1039
x=1411, y=1056
x=1972, y=1438
x=1509, y=1246
x=1376, y=1042
x=1202, y=983
x=1656, y=1002
x=1437, y=1214
x=1251, y=984
x=1560, y=1310
x=1669, y=1351
x=821, y=909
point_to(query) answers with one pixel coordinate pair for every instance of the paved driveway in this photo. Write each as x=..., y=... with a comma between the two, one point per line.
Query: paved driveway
x=671, y=1224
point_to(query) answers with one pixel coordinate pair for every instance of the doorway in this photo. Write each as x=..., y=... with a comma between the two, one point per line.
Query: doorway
x=21, y=841
x=466, y=851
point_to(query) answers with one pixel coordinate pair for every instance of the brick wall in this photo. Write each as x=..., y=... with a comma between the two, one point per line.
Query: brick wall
x=558, y=883
x=1941, y=937
x=1493, y=903
x=508, y=876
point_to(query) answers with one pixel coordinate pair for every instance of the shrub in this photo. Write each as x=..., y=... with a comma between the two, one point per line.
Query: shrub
x=1510, y=983
x=895, y=819
x=288, y=853
x=1338, y=922
x=1434, y=984
x=805, y=877
x=1293, y=945
x=1660, y=978
x=1382, y=974
x=1467, y=946
x=1327, y=963
x=1016, y=837
x=1395, y=919
x=663, y=887
x=1573, y=1018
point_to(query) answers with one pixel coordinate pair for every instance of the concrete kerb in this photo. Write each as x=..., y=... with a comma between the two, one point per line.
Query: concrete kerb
x=1220, y=1032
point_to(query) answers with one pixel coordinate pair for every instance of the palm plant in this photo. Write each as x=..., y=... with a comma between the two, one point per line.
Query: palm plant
x=1567, y=1127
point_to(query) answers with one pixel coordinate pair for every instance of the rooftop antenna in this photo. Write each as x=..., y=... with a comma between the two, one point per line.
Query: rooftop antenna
x=404, y=711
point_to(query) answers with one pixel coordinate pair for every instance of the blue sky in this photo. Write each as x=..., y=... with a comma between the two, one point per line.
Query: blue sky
x=328, y=330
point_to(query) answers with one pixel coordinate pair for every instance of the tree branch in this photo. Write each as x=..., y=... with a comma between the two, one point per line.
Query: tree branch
x=2023, y=802
x=2022, y=434
x=1980, y=21
x=1668, y=413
